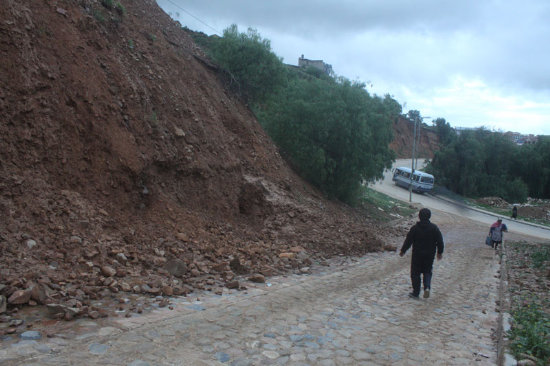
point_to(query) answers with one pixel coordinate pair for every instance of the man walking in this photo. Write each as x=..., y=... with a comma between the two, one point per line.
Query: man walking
x=425, y=239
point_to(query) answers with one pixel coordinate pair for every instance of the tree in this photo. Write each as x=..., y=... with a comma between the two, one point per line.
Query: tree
x=444, y=131
x=333, y=131
x=480, y=163
x=249, y=59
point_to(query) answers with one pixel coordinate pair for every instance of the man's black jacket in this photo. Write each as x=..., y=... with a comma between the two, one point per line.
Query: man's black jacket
x=425, y=238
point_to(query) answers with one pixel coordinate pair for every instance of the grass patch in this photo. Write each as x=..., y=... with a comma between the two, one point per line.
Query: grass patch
x=107, y=3
x=120, y=9
x=98, y=15
x=382, y=207
x=540, y=256
x=529, y=280
x=530, y=333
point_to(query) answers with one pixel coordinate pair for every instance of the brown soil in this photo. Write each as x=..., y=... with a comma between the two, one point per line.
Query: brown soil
x=127, y=167
x=537, y=209
x=403, y=139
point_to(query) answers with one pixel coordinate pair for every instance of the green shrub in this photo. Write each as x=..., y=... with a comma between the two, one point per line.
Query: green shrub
x=107, y=3
x=120, y=8
x=98, y=15
x=540, y=256
x=530, y=332
x=248, y=58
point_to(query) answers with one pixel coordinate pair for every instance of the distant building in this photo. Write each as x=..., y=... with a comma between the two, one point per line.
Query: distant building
x=318, y=64
x=520, y=139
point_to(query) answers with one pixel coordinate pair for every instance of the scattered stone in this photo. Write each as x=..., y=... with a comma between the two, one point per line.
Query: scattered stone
x=138, y=363
x=287, y=255
x=232, y=285
x=3, y=304
x=108, y=271
x=31, y=243
x=59, y=311
x=40, y=293
x=222, y=357
x=176, y=267
x=121, y=257
x=237, y=267
x=258, y=278
x=168, y=290
x=179, y=133
x=164, y=303
x=20, y=297
x=75, y=239
x=98, y=349
x=271, y=354
x=297, y=249
x=15, y=322
x=220, y=267
x=31, y=335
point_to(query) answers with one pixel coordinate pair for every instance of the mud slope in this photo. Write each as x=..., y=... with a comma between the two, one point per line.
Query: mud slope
x=126, y=165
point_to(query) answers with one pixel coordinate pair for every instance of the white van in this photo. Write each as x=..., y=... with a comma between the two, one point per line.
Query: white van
x=421, y=182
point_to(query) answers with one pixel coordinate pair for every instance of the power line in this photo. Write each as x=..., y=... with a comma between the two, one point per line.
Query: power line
x=196, y=18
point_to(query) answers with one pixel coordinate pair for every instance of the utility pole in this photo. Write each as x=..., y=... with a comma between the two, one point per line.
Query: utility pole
x=412, y=162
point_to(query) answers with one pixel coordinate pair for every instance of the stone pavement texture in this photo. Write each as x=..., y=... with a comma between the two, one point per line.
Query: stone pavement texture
x=353, y=313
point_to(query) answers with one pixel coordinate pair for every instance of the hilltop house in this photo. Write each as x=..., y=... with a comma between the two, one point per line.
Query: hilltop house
x=318, y=64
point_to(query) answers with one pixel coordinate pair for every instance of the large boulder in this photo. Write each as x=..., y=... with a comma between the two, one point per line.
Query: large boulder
x=176, y=267
x=20, y=297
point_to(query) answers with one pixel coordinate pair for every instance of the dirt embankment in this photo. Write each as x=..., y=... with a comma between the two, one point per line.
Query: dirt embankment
x=127, y=167
x=402, y=142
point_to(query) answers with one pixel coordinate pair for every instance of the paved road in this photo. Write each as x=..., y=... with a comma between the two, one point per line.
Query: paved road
x=388, y=187
x=353, y=312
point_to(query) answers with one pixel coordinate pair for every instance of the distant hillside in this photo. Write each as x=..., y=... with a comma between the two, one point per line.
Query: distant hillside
x=403, y=140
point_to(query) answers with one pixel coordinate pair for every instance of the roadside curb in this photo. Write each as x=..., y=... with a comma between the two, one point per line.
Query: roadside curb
x=504, y=358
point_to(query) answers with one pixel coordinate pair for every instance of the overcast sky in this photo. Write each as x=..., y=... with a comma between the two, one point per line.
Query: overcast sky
x=474, y=63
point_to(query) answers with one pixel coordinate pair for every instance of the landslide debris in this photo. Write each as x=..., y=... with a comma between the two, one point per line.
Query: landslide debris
x=127, y=167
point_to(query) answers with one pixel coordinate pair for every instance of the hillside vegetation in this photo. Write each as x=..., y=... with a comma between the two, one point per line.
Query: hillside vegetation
x=332, y=131
x=479, y=163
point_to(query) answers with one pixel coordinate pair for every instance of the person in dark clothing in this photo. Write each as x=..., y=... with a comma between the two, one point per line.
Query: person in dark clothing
x=425, y=239
x=515, y=212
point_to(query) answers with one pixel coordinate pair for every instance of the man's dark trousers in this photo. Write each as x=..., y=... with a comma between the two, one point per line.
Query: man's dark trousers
x=421, y=265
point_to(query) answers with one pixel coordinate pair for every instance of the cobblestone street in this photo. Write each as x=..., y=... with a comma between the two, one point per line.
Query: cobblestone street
x=354, y=312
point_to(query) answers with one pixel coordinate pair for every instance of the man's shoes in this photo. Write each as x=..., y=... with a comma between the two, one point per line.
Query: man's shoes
x=426, y=293
x=413, y=296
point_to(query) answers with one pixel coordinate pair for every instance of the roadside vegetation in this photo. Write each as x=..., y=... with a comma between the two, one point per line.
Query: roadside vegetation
x=384, y=208
x=524, y=213
x=481, y=163
x=529, y=281
x=330, y=129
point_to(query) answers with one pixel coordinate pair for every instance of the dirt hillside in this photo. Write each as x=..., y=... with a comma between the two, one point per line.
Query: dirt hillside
x=403, y=131
x=127, y=167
